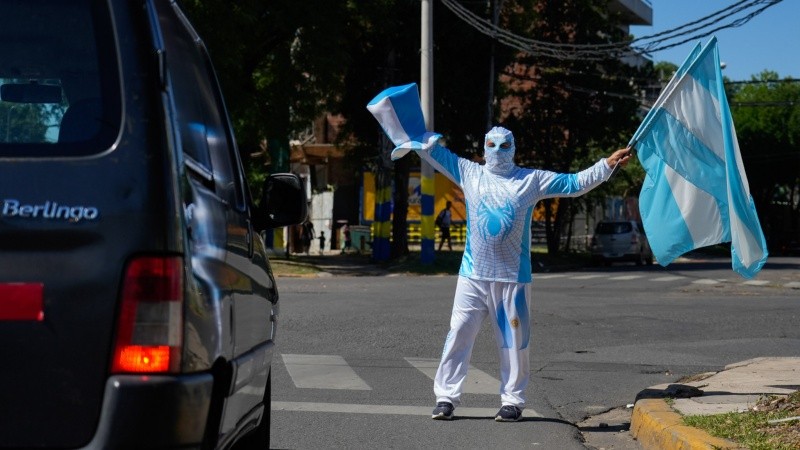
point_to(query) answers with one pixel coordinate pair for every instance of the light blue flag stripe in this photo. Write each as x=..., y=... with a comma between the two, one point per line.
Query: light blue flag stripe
x=695, y=193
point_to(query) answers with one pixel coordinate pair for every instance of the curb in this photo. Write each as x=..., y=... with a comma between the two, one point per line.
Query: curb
x=655, y=425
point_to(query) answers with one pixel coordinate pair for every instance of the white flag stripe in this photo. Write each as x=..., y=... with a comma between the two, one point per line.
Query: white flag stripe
x=322, y=372
x=698, y=110
x=745, y=186
x=699, y=209
x=477, y=382
x=387, y=117
x=748, y=248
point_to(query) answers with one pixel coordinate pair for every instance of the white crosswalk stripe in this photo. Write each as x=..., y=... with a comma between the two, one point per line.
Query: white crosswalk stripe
x=663, y=279
x=548, y=276
x=626, y=277
x=323, y=372
x=588, y=277
x=477, y=382
x=333, y=372
x=669, y=278
x=387, y=409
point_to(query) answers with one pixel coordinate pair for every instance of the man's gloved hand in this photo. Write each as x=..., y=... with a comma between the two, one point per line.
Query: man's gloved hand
x=428, y=141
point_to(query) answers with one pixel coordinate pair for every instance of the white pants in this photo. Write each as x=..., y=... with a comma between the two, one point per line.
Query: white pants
x=506, y=303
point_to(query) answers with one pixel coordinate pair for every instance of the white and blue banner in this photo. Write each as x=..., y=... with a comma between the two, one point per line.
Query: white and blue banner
x=399, y=112
x=695, y=193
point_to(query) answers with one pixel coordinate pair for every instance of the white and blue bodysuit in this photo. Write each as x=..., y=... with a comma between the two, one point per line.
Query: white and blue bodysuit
x=495, y=275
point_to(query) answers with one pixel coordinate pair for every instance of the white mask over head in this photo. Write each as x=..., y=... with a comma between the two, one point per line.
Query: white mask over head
x=499, y=151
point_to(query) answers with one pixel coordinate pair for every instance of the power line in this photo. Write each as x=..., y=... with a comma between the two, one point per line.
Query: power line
x=758, y=104
x=696, y=29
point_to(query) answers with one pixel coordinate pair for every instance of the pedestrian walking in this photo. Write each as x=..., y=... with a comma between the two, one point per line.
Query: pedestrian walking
x=348, y=240
x=307, y=234
x=321, y=242
x=443, y=221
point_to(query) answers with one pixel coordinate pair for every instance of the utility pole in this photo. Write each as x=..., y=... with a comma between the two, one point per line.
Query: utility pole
x=427, y=185
x=496, y=5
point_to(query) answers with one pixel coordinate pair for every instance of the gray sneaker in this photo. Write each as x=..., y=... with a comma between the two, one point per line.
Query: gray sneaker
x=443, y=411
x=508, y=413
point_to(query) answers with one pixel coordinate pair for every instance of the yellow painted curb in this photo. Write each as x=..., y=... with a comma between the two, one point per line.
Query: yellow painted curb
x=656, y=426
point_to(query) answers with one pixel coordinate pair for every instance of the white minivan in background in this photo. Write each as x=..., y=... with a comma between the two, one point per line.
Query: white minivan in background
x=620, y=240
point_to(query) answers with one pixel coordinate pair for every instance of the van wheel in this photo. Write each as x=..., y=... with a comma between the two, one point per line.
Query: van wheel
x=259, y=437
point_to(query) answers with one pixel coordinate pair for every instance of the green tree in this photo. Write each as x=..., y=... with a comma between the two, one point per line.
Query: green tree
x=565, y=113
x=279, y=62
x=766, y=114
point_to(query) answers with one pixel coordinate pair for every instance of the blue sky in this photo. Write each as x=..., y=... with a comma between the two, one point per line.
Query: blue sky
x=769, y=41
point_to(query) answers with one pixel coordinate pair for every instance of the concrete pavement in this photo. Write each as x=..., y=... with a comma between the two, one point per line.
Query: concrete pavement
x=657, y=425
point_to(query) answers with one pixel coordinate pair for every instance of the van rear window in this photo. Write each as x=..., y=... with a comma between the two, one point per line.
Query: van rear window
x=613, y=228
x=59, y=86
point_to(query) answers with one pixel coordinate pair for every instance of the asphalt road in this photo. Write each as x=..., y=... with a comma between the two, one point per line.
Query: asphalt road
x=355, y=354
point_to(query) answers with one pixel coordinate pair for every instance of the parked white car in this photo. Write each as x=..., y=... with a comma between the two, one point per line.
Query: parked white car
x=621, y=240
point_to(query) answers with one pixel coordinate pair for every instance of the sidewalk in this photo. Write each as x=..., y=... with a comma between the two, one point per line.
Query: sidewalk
x=657, y=425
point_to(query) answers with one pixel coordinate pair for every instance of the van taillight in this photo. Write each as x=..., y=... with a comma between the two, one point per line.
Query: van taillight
x=149, y=327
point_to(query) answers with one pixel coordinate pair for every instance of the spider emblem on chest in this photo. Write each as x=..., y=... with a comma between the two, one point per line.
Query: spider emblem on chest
x=495, y=221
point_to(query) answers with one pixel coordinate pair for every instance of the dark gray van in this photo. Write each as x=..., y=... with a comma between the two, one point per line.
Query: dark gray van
x=137, y=304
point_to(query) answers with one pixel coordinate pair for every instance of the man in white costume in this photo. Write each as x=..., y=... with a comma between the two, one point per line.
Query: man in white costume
x=495, y=275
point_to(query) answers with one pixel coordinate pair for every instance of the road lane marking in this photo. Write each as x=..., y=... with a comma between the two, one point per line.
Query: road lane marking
x=588, y=277
x=706, y=281
x=793, y=284
x=345, y=408
x=626, y=277
x=669, y=278
x=477, y=382
x=548, y=276
x=756, y=282
x=323, y=372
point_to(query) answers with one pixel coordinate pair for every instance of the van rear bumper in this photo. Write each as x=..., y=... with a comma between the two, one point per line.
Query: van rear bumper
x=153, y=411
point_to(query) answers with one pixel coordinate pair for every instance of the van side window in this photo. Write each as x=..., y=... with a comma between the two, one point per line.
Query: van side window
x=201, y=119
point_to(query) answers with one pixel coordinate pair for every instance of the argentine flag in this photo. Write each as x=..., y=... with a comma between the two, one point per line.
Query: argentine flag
x=695, y=192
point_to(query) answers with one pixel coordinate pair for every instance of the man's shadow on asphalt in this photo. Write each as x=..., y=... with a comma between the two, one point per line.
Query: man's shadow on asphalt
x=523, y=419
x=616, y=428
